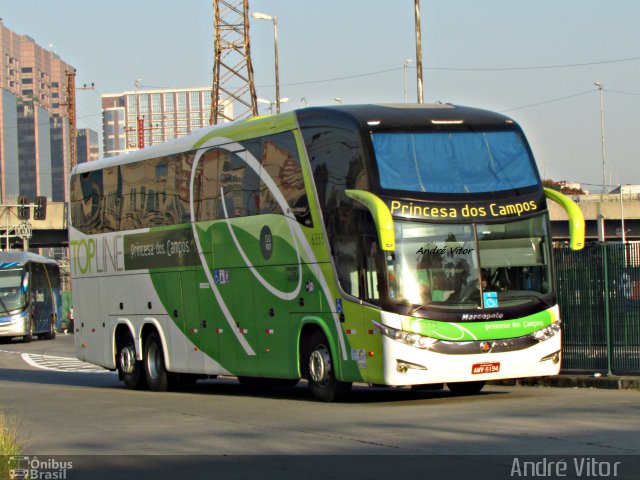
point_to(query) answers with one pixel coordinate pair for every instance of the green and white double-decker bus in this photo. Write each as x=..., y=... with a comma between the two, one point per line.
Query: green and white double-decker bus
x=398, y=245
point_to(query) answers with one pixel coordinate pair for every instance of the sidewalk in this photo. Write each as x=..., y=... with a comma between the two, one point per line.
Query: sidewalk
x=612, y=382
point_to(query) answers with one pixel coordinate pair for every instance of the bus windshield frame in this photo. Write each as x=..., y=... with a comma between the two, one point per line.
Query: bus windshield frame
x=470, y=266
x=12, y=298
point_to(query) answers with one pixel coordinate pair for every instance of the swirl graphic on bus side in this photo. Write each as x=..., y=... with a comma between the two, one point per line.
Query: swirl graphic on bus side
x=253, y=163
x=299, y=241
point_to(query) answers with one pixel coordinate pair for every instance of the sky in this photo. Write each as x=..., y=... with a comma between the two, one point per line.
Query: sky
x=533, y=60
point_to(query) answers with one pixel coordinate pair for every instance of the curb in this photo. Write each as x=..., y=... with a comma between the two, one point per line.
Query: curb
x=612, y=382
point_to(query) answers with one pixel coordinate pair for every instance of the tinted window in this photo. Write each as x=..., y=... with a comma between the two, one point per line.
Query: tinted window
x=227, y=184
x=279, y=160
x=86, y=196
x=454, y=162
x=337, y=164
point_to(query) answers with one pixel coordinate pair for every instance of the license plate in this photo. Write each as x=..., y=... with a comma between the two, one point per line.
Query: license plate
x=485, y=368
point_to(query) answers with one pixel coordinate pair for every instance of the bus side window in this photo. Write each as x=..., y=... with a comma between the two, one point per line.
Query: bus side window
x=86, y=198
x=208, y=191
x=356, y=253
x=347, y=254
x=371, y=270
x=280, y=160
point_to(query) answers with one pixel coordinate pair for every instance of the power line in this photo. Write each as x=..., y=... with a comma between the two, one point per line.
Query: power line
x=536, y=67
x=623, y=93
x=463, y=69
x=335, y=79
x=548, y=101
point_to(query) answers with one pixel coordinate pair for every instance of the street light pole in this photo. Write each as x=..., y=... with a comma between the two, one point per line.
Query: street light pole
x=624, y=234
x=604, y=178
x=406, y=66
x=274, y=19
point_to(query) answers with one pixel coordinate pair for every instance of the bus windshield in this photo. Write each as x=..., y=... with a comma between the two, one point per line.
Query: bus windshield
x=11, y=297
x=462, y=266
x=454, y=162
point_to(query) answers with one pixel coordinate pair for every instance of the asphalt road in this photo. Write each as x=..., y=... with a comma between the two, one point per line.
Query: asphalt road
x=62, y=409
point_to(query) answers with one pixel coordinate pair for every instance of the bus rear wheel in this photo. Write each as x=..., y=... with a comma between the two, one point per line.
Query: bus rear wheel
x=129, y=368
x=320, y=373
x=51, y=334
x=155, y=372
x=466, y=388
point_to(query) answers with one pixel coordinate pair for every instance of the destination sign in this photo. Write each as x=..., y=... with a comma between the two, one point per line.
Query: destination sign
x=470, y=211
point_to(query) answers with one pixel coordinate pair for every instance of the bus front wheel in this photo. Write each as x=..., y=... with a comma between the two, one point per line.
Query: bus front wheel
x=323, y=383
x=30, y=332
x=154, y=369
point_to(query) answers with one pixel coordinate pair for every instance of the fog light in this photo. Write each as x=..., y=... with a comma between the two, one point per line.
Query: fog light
x=554, y=357
x=403, y=366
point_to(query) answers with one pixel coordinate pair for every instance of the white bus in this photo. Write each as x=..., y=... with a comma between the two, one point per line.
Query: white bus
x=30, y=299
x=388, y=245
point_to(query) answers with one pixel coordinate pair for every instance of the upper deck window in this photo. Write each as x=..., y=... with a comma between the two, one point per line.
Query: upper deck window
x=454, y=162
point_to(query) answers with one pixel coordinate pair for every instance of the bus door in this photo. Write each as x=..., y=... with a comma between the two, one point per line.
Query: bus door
x=276, y=351
x=171, y=313
x=357, y=262
x=239, y=283
x=41, y=298
x=90, y=296
x=201, y=325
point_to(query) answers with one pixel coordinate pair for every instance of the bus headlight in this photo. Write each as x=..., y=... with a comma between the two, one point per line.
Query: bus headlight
x=547, y=332
x=408, y=338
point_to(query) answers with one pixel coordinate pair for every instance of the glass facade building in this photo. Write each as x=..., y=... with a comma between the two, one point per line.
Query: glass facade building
x=34, y=122
x=138, y=119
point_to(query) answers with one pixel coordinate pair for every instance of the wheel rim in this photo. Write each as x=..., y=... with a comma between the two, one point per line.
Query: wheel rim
x=127, y=359
x=153, y=360
x=320, y=365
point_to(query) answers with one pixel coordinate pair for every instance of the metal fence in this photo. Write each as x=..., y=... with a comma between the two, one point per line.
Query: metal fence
x=599, y=297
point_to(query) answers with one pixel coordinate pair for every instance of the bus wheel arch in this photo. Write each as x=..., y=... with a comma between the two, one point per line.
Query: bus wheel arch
x=317, y=365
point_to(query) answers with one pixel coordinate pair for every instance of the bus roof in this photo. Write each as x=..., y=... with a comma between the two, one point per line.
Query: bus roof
x=403, y=115
x=400, y=115
x=19, y=259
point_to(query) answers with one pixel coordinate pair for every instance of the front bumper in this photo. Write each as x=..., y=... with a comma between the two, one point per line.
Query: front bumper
x=13, y=325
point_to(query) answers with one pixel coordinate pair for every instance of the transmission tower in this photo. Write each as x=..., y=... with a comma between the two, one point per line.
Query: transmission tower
x=233, y=88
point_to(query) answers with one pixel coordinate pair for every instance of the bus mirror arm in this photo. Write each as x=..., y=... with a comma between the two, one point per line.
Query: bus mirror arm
x=576, y=218
x=381, y=216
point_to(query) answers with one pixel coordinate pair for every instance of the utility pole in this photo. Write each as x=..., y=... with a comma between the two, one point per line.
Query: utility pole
x=71, y=110
x=233, y=85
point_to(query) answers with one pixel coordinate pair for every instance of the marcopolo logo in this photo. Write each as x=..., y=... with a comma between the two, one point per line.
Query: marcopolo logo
x=26, y=467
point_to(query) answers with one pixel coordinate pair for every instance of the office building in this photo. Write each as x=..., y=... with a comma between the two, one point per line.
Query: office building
x=34, y=124
x=136, y=119
x=87, y=145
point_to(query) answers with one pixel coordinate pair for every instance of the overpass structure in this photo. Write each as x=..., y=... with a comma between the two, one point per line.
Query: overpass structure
x=51, y=232
x=606, y=217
